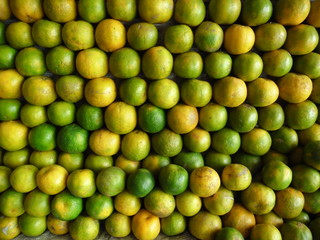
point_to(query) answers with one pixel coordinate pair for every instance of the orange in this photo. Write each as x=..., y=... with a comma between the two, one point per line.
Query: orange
x=313, y=17
x=135, y=145
x=284, y=140
x=37, y=203
x=61, y=113
x=208, y=36
x=243, y=118
x=308, y=64
x=110, y=35
x=60, y=11
x=310, y=152
x=145, y=225
x=118, y=225
x=238, y=39
x=124, y=63
x=198, y=140
x=300, y=116
x=270, y=218
x=159, y=203
x=188, y=203
x=30, y=62
x=104, y=142
x=157, y=63
x=174, y=224
x=276, y=175
x=9, y=109
x=313, y=226
x=100, y=92
x=189, y=160
x=23, y=178
x=60, y=60
x=239, y=218
x=236, y=177
x=81, y=183
x=127, y=165
x=182, y=118
x=254, y=13
x=226, y=141
x=89, y=117
x=120, y=117
x=188, y=65
x=258, y=198
x=32, y=226
x=71, y=161
x=11, y=203
x=122, y=10
x=52, y=179
x=127, y=203
x=7, y=56
x=204, y=225
x=262, y=92
x=213, y=117
x=43, y=137
x=155, y=12
x=11, y=227
x=301, y=39
x=228, y=233
x=154, y=162
x=42, y=159
x=27, y=11
x=224, y=12
x=11, y=82
x=92, y=11
x=294, y=12
x=5, y=178
x=309, y=134
x=163, y=93
x=178, y=38
x=265, y=231
x=39, y=90
x=229, y=91
x=277, y=63
x=99, y=206
x=191, y=13
x=111, y=181
x=204, y=181
x=257, y=142
x=247, y=66
x=46, y=33
x=18, y=35
x=133, y=91
x=140, y=183
x=295, y=229
x=271, y=117
x=252, y=162
x=13, y=135
x=311, y=204
x=13, y=159
x=72, y=138
x=97, y=162
x=305, y=179
x=84, y=227
x=216, y=160
x=166, y=143
x=142, y=36
x=70, y=88
x=201, y=92
x=57, y=226
x=92, y=63
x=219, y=203
x=270, y=36
x=173, y=179
x=5, y=13
x=289, y=203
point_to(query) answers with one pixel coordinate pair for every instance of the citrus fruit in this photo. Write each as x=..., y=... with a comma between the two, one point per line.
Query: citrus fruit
x=219, y=203
x=135, y=145
x=13, y=135
x=254, y=13
x=311, y=204
x=178, y=38
x=226, y=141
x=247, y=66
x=308, y=64
x=97, y=162
x=188, y=203
x=46, y=33
x=122, y=10
x=310, y=153
x=270, y=36
x=243, y=118
x=157, y=63
x=6, y=11
x=213, y=117
x=313, y=226
x=37, y=203
x=120, y=117
x=140, y=183
x=226, y=12
x=127, y=203
x=198, y=140
x=204, y=225
x=99, y=206
x=70, y=161
x=60, y=60
x=142, y=36
x=284, y=140
x=110, y=35
x=163, y=93
x=92, y=11
x=19, y=35
x=216, y=160
x=32, y=226
x=7, y=56
x=12, y=203
x=30, y=62
x=13, y=159
x=173, y=179
x=9, y=109
x=118, y=225
x=312, y=18
x=309, y=134
x=277, y=63
x=228, y=233
x=296, y=229
x=145, y=225
x=236, y=177
x=89, y=117
x=151, y=118
x=238, y=39
x=252, y=162
x=57, y=226
x=208, y=36
x=72, y=138
x=276, y=175
x=23, y=178
x=5, y=178
x=265, y=231
x=271, y=117
x=166, y=143
x=84, y=227
x=182, y=118
x=81, y=183
x=204, y=181
x=42, y=159
x=60, y=11
x=155, y=12
x=104, y=142
x=27, y=11
x=133, y=91
x=201, y=92
x=61, y=113
x=154, y=162
x=127, y=165
x=111, y=181
x=70, y=88
x=173, y=224
x=218, y=65
x=189, y=160
x=305, y=179
x=124, y=63
x=159, y=203
x=270, y=218
x=188, y=65
x=191, y=13
x=11, y=82
x=257, y=142
x=11, y=227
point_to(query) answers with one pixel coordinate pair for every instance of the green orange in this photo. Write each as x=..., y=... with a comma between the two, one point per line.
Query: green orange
x=151, y=118
x=133, y=91
x=60, y=60
x=30, y=62
x=173, y=179
x=178, y=38
x=72, y=138
x=140, y=183
x=208, y=36
x=190, y=13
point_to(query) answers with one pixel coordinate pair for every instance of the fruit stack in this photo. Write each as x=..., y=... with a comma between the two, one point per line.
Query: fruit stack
x=146, y=117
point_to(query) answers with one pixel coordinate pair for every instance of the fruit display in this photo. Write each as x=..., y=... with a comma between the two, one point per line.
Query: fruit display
x=143, y=119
